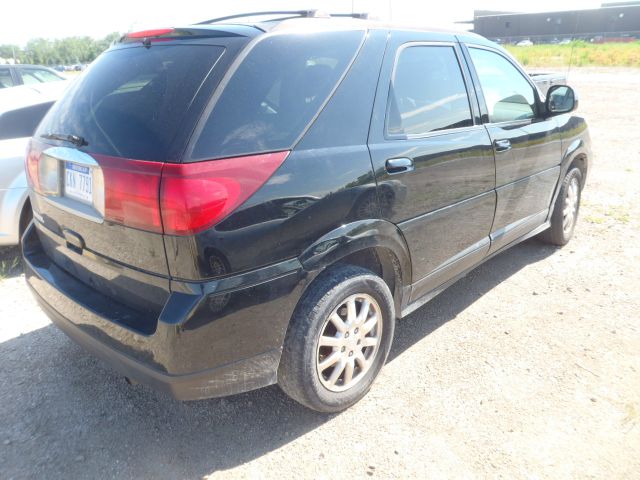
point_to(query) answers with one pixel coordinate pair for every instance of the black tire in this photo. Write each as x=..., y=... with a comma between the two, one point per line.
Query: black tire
x=557, y=234
x=25, y=218
x=298, y=374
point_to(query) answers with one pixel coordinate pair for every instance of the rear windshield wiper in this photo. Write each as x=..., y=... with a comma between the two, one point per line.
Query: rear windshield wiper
x=75, y=139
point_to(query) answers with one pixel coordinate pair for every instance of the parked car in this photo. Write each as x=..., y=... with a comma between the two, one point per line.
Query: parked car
x=545, y=81
x=14, y=75
x=21, y=109
x=524, y=43
x=267, y=217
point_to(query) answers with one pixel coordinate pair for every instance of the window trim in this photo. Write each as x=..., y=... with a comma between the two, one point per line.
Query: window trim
x=467, y=83
x=481, y=97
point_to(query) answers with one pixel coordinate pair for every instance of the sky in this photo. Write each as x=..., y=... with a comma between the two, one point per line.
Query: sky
x=24, y=20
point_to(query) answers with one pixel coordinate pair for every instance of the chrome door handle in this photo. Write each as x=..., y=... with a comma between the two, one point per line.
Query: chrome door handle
x=398, y=165
x=502, y=145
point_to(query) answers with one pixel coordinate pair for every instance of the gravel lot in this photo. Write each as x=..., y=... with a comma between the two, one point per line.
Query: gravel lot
x=527, y=368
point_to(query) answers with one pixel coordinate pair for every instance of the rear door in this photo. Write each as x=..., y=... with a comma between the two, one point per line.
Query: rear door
x=426, y=141
x=527, y=146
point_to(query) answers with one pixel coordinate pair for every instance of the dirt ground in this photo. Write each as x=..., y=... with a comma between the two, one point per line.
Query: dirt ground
x=527, y=368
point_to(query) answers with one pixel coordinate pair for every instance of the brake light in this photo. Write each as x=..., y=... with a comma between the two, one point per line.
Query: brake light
x=131, y=190
x=32, y=160
x=195, y=196
x=150, y=33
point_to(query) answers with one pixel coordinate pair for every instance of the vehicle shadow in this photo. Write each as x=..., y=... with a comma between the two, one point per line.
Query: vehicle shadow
x=64, y=414
x=10, y=262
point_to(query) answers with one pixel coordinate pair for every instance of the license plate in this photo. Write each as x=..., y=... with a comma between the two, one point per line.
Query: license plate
x=78, y=182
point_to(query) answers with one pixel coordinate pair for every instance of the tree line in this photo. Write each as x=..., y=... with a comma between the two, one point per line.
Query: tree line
x=63, y=51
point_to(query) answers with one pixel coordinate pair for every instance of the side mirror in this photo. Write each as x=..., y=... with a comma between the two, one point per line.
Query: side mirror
x=561, y=99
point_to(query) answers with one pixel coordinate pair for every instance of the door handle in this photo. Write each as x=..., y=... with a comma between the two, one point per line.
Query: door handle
x=502, y=145
x=398, y=165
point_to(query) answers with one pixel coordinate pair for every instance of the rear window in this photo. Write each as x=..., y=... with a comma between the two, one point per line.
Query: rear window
x=131, y=101
x=275, y=93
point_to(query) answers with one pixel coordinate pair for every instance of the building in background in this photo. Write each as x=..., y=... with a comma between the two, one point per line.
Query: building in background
x=619, y=21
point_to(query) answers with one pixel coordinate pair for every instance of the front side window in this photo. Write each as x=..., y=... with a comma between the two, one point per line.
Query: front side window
x=427, y=92
x=509, y=96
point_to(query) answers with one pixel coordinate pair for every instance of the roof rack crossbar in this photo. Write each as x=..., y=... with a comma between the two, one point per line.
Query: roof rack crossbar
x=300, y=13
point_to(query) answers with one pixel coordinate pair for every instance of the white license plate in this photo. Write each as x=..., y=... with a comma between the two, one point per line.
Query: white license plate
x=78, y=182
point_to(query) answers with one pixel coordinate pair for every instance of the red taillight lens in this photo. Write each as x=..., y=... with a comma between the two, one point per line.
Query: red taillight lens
x=131, y=192
x=195, y=196
x=34, y=151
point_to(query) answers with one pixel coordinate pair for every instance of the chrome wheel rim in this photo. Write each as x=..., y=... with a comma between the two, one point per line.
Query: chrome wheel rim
x=570, y=210
x=348, y=342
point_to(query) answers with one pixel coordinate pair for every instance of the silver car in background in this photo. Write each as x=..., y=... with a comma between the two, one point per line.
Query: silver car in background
x=21, y=109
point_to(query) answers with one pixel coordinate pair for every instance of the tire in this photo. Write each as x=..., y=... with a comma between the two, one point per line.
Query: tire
x=343, y=291
x=565, y=210
x=25, y=219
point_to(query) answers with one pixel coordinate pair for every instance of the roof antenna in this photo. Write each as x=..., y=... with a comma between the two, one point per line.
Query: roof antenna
x=573, y=44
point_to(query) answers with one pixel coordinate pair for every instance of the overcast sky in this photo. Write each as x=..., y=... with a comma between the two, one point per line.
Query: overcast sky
x=23, y=20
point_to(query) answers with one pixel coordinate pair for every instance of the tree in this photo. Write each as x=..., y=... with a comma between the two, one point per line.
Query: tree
x=65, y=51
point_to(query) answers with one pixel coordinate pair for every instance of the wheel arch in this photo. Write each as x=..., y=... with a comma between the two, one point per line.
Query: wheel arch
x=377, y=245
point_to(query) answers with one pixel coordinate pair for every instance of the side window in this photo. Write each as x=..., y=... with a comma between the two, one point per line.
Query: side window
x=45, y=75
x=427, y=92
x=275, y=92
x=508, y=94
x=5, y=78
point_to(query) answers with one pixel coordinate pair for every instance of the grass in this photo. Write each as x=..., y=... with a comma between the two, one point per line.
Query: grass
x=9, y=262
x=579, y=54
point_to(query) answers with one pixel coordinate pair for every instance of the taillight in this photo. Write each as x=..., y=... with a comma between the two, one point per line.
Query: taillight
x=32, y=160
x=174, y=198
x=196, y=196
x=131, y=189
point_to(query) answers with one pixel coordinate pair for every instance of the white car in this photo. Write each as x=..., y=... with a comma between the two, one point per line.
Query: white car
x=524, y=43
x=21, y=109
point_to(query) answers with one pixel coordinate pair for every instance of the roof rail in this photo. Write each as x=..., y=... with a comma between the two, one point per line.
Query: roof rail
x=360, y=15
x=297, y=13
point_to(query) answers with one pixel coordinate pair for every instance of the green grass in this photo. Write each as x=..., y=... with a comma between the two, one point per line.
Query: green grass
x=579, y=54
x=9, y=262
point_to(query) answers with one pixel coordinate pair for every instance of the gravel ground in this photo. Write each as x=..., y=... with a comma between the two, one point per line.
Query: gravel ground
x=527, y=368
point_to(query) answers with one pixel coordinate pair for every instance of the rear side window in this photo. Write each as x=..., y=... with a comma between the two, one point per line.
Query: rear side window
x=36, y=75
x=131, y=101
x=509, y=96
x=427, y=92
x=275, y=93
x=6, y=80
x=22, y=122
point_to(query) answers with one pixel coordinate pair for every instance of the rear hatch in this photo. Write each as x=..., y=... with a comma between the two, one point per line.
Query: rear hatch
x=96, y=160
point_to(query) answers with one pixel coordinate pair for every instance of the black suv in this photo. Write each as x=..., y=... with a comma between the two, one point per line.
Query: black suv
x=229, y=205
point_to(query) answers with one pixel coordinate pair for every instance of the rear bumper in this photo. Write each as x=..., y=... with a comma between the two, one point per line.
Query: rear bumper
x=212, y=339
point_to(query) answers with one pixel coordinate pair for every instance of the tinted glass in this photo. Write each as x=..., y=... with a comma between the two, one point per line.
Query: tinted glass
x=38, y=76
x=22, y=122
x=427, y=92
x=275, y=92
x=508, y=95
x=6, y=80
x=131, y=101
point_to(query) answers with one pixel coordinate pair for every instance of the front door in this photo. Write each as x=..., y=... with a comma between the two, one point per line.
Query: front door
x=527, y=146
